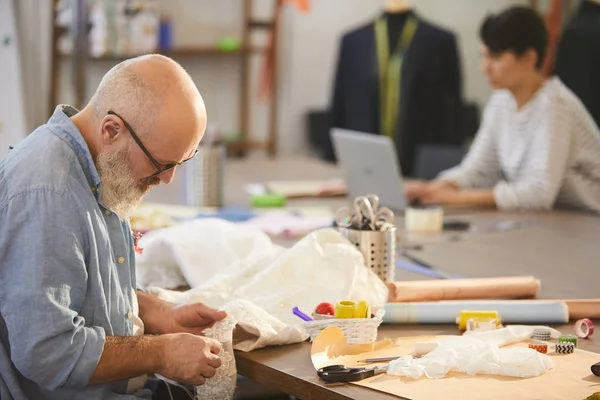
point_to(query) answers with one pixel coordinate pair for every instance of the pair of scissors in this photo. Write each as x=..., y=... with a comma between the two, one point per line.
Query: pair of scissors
x=374, y=217
x=341, y=373
x=345, y=217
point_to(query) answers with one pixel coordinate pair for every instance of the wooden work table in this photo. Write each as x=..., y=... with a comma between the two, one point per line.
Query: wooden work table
x=289, y=368
x=560, y=248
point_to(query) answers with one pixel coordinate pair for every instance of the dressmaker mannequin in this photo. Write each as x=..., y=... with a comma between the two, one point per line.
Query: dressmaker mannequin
x=396, y=12
x=428, y=87
x=399, y=6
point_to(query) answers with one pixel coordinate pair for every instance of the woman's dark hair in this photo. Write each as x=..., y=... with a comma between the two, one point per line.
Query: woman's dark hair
x=517, y=29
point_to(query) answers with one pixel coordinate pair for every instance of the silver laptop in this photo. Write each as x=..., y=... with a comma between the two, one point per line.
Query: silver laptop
x=370, y=165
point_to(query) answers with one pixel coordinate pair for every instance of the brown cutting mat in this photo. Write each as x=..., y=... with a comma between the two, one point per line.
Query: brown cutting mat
x=571, y=377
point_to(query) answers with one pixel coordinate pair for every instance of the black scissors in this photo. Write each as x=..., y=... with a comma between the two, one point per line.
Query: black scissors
x=340, y=373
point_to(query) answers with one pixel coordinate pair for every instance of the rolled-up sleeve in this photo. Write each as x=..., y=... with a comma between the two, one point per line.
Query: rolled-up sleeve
x=43, y=283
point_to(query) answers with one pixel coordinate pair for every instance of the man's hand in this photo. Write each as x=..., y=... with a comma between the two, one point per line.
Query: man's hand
x=161, y=317
x=189, y=358
x=192, y=318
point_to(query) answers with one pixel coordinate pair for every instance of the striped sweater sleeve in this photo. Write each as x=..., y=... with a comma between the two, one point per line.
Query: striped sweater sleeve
x=481, y=166
x=546, y=164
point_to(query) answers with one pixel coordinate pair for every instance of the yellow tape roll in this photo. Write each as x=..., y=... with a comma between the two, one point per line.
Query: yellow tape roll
x=465, y=315
x=362, y=310
x=345, y=309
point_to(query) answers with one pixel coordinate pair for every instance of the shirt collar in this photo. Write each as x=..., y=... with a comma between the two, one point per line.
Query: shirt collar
x=63, y=127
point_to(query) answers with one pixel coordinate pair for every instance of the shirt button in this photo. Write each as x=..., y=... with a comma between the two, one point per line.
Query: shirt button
x=121, y=260
x=129, y=314
x=107, y=212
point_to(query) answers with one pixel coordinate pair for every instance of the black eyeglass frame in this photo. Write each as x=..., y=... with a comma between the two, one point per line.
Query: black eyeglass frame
x=160, y=168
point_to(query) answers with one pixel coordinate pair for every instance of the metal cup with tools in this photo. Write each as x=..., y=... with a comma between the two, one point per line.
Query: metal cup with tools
x=371, y=229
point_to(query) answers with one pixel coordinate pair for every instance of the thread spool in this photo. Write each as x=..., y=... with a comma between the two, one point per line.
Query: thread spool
x=424, y=219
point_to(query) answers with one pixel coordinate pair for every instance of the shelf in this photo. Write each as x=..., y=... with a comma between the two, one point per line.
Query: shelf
x=82, y=61
x=183, y=52
x=247, y=144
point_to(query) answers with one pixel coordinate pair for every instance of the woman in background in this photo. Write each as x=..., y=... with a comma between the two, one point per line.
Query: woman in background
x=537, y=147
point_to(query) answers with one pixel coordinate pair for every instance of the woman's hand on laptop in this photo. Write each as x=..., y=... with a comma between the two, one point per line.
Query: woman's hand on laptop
x=443, y=195
x=441, y=192
x=418, y=189
x=451, y=194
x=414, y=189
x=441, y=184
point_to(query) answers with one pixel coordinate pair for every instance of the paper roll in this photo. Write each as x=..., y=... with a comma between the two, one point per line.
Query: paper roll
x=424, y=220
x=583, y=308
x=464, y=289
x=527, y=312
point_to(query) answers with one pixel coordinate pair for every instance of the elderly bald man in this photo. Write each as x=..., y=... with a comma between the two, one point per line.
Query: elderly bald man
x=69, y=321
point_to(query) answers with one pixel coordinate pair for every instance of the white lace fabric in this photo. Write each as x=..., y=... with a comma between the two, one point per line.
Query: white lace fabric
x=222, y=385
x=238, y=269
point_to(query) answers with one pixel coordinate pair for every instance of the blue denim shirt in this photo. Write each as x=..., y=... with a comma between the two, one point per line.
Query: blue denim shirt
x=67, y=273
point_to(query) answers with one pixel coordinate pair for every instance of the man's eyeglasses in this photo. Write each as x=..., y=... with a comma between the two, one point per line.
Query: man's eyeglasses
x=160, y=168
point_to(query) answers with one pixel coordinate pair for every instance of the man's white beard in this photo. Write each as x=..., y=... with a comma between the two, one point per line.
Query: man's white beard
x=121, y=192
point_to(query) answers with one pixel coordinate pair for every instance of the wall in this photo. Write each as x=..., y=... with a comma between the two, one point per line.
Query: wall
x=308, y=54
x=12, y=120
x=330, y=18
x=464, y=19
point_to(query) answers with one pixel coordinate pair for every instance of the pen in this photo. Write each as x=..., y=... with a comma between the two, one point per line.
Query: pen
x=376, y=360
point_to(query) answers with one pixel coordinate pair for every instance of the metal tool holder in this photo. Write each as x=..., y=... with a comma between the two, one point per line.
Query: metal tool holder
x=378, y=249
x=371, y=229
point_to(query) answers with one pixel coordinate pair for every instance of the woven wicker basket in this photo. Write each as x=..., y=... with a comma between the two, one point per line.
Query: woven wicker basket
x=356, y=330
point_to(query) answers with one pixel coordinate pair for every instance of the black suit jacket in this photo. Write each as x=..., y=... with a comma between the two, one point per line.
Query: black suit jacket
x=430, y=97
x=578, y=57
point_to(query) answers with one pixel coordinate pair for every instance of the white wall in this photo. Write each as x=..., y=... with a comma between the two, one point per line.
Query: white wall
x=315, y=37
x=308, y=53
x=12, y=119
x=464, y=17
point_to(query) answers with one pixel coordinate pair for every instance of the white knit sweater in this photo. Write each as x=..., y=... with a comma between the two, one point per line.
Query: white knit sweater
x=544, y=155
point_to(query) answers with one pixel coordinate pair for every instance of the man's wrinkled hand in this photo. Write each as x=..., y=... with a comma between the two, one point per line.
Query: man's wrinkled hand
x=192, y=318
x=189, y=358
x=161, y=317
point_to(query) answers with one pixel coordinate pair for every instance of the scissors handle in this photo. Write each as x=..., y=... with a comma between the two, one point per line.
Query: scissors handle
x=340, y=373
x=344, y=217
x=364, y=209
x=374, y=201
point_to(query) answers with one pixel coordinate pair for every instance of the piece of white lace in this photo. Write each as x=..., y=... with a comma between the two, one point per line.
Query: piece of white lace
x=222, y=385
